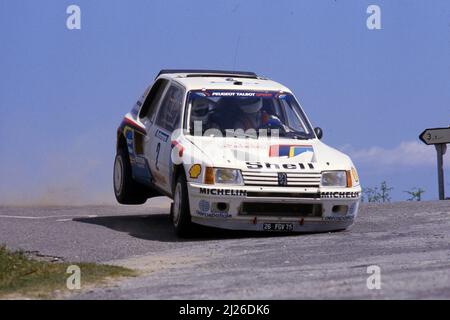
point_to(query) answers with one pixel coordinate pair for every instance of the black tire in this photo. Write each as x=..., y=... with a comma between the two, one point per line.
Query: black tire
x=180, y=212
x=126, y=190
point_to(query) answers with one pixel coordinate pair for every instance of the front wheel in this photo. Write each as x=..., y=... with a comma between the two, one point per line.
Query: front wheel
x=180, y=212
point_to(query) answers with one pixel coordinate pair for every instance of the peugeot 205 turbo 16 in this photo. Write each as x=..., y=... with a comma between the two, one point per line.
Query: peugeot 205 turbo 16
x=234, y=151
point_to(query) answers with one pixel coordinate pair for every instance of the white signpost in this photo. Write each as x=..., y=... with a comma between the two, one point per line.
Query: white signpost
x=439, y=137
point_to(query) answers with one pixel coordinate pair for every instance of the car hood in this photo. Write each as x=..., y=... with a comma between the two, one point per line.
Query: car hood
x=239, y=153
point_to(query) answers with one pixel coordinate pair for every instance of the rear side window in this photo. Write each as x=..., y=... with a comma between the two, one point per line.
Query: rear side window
x=170, y=111
x=153, y=97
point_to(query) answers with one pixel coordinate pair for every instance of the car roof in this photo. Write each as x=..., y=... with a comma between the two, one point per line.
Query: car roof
x=221, y=80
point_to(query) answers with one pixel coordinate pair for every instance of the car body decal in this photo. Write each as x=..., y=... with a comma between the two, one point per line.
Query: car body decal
x=128, y=122
x=161, y=135
x=289, y=151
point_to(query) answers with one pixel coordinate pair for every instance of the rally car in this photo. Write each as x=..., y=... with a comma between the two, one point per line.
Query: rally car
x=233, y=150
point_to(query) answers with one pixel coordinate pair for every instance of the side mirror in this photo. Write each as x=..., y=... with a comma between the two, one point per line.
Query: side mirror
x=319, y=133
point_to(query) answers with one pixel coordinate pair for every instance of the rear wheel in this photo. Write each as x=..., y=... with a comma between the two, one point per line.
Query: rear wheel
x=126, y=190
x=180, y=212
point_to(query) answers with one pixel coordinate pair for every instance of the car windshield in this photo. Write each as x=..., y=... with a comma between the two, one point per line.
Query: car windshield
x=246, y=113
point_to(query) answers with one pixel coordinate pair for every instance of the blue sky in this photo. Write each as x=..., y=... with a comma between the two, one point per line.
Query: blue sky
x=63, y=92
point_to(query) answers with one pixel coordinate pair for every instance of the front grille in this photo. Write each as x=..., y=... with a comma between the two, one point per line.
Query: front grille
x=281, y=209
x=294, y=179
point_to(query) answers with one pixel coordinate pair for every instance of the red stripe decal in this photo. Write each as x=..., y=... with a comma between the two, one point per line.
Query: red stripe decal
x=134, y=125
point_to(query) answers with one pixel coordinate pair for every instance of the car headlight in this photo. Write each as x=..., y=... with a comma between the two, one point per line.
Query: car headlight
x=334, y=179
x=224, y=176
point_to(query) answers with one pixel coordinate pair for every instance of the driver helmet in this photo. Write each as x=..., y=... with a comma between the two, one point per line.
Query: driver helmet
x=250, y=105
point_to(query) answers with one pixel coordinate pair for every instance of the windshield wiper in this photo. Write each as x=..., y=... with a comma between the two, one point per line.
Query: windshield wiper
x=296, y=135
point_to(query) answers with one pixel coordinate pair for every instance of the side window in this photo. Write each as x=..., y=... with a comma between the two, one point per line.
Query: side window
x=293, y=118
x=153, y=98
x=170, y=111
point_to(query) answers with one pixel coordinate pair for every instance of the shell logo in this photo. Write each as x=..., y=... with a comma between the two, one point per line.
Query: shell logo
x=195, y=171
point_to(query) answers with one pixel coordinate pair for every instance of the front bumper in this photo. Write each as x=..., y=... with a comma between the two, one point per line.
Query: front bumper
x=325, y=209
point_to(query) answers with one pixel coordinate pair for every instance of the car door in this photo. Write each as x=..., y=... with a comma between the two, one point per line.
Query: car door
x=147, y=116
x=160, y=144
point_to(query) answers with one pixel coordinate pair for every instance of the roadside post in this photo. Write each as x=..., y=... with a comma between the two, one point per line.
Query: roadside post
x=439, y=137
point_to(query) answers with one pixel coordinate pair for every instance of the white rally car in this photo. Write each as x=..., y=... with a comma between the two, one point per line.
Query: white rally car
x=235, y=151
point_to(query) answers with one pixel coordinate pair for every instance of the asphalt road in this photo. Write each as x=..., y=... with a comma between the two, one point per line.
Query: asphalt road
x=410, y=242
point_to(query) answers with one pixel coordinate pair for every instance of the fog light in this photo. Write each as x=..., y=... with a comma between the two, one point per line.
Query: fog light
x=340, y=209
x=221, y=206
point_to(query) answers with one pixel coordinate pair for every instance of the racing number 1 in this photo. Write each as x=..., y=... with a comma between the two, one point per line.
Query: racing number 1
x=158, y=147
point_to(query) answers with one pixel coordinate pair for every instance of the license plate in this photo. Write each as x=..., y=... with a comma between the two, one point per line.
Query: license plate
x=278, y=227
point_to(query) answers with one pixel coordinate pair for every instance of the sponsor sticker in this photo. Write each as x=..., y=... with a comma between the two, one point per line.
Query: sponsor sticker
x=214, y=214
x=195, y=171
x=223, y=192
x=339, y=195
x=161, y=135
x=203, y=205
x=256, y=165
x=289, y=151
x=232, y=93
